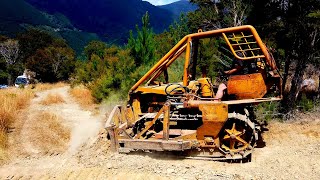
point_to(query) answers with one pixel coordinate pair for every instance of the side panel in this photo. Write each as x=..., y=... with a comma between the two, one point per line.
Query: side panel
x=213, y=116
x=247, y=86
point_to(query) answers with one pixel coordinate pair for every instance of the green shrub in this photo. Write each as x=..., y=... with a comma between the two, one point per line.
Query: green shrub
x=267, y=111
x=306, y=104
x=114, y=71
x=101, y=88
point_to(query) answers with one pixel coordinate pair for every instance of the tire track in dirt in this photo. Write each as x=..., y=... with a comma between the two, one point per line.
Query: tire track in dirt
x=84, y=128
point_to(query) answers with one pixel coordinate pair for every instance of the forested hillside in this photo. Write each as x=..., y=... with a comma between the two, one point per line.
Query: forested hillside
x=182, y=6
x=17, y=16
x=79, y=22
x=15, y=13
x=111, y=19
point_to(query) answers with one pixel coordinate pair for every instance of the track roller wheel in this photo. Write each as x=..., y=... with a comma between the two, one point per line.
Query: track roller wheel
x=237, y=137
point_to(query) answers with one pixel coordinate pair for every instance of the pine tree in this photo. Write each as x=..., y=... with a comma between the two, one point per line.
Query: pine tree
x=143, y=46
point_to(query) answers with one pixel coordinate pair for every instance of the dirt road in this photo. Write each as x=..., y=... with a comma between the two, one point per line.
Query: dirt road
x=292, y=152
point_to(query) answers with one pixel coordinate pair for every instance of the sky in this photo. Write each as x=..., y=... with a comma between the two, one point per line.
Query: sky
x=161, y=2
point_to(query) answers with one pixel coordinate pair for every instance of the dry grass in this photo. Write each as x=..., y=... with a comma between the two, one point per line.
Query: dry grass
x=52, y=99
x=83, y=96
x=11, y=102
x=47, y=86
x=49, y=135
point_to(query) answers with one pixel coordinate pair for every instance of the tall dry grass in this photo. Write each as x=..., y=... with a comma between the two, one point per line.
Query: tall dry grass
x=52, y=99
x=49, y=135
x=12, y=101
x=83, y=96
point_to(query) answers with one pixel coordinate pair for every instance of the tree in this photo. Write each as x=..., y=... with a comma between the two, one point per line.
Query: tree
x=142, y=48
x=292, y=26
x=62, y=59
x=304, y=30
x=219, y=14
x=32, y=40
x=40, y=63
x=53, y=63
x=179, y=29
x=95, y=47
x=237, y=11
x=3, y=71
x=9, y=50
x=110, y=73
x=166, y=40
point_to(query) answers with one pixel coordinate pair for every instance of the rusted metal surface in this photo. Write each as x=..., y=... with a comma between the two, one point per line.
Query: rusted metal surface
x=179, y=134
x=111, y=121
x=247, y=86
x=157, y=145
x=166, y=121
x=213, y=117
x=197, y=103
x=113, y=138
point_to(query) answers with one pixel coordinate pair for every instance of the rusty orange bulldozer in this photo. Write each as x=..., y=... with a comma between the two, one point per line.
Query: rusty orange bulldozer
x=174, y=107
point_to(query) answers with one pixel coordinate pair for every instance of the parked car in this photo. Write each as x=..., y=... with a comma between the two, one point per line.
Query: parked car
x=21, y=81
x=3, y=86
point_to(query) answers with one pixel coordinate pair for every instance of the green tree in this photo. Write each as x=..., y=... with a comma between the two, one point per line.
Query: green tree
x=179, y=28
x=164, y=42
x=40, y=63
x=168, y=39
x=303, y=27
x=32, y=40
x=95, y=47
x=143, y=46
x=62, y=61
x=53, y=63
x=293, y=28
x=110, y=73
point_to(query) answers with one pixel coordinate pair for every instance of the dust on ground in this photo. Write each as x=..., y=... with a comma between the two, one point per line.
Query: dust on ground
x=292, y=152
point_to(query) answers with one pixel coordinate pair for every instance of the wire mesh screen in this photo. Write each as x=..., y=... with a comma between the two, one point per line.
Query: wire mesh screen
x=243, y=45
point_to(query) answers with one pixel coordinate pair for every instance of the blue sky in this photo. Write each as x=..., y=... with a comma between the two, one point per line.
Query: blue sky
x=161, y=2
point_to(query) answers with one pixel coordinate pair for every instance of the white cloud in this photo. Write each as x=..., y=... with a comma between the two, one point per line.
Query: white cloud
x=161, y=2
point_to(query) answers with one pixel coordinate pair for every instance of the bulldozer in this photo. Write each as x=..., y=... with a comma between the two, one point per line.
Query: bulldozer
x=173, y=107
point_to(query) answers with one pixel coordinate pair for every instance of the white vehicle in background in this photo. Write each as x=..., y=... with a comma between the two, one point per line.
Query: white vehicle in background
x=21, y=81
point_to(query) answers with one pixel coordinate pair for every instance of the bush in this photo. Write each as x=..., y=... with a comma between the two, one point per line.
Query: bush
x=267, y=111
x=306, y=104
x=101, y=88
x=114, y=72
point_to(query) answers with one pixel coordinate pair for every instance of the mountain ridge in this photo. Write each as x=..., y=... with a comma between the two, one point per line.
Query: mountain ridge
x=17, y=16
x=80, y=21
x=178, y=7
x=110, y=19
